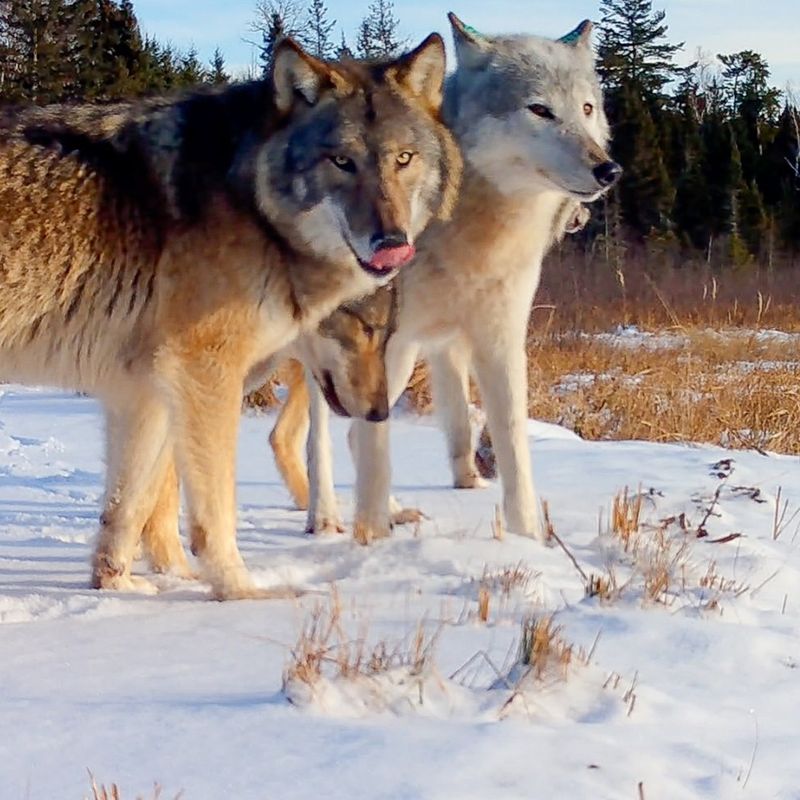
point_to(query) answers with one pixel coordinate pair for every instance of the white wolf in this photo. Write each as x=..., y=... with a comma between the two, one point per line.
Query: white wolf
x=528, y=114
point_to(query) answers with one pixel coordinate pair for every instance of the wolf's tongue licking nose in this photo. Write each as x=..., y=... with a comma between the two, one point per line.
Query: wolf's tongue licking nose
x=388, y=258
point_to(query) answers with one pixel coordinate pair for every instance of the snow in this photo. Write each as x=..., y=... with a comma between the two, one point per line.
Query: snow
x=632, y=337
x=696, y=697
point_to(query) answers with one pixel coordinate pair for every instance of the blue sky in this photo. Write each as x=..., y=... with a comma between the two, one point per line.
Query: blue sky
x=718, y=26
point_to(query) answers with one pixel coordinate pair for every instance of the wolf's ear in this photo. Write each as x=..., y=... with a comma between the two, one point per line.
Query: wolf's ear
x=422, y=70
x=581, y=36
x=296, y=74
x=471, y=46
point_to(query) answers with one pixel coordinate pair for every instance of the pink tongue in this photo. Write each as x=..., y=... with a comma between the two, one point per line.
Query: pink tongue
x=392, y=257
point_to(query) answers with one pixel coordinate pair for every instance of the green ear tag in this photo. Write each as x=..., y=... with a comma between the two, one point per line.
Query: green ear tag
x=473, y=32
x=574, y=36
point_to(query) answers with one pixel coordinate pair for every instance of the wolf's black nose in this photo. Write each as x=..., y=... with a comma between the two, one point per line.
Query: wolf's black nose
x=607, y=173
x=379, y=413
x=386, y=241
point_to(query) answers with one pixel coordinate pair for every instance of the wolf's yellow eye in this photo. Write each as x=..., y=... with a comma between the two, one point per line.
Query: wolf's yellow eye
x=344, y=163
x=588, y=109
x=405, y=158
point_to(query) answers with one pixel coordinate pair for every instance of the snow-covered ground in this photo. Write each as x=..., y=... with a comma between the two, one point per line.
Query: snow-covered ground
x=694, y=697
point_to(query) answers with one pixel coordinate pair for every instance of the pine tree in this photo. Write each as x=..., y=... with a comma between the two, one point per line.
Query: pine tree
x=645, y=192
x=633, y=47
x=378, y=31
x=343, y=51
x=274, y=20
x=366, y=47
x=317, y=30
x=218, y=75
x=35, y=64
x=191, y=70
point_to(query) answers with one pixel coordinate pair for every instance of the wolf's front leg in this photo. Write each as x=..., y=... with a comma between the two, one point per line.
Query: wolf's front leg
x=137, y=451
x=501, y=369
x=323, y=510
x=207, y=398
x=450, y=378
x=369, y=445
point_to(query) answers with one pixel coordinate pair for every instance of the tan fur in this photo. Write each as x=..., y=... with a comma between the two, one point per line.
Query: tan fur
x=345, y=355
x=289, y=435
x=109, y=285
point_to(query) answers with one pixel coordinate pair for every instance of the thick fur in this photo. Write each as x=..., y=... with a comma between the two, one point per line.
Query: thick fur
x=154, y=254
x=340, y=366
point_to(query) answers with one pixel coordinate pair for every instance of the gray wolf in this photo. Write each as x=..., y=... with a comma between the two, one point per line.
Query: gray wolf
x=154, y=254
x=528, y=114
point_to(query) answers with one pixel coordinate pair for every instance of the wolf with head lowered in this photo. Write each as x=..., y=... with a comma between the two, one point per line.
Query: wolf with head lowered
x=154, y=254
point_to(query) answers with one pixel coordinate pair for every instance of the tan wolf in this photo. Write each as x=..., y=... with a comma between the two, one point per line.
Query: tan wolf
x=154, y=253
x=341, y=366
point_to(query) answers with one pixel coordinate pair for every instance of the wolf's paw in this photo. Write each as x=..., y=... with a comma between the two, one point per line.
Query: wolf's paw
x=252, y=592
x=470, y=481
x=528, y=525
x=173, y=564
x=366, y=533
x=127, y=584
x=324, y=526
x=407, y=516
x=183, y=572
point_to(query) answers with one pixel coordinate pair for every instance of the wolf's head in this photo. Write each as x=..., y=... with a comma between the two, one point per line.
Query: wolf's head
x=346, y=355
x=528, y=112
x=359, y=162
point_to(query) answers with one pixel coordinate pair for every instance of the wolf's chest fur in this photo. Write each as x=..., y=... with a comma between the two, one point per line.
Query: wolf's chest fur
x=489, y=254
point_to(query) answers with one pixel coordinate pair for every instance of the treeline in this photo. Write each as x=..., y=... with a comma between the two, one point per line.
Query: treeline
x=312, y=25
x=710, y=150
x=88, y=50
x=95, y=50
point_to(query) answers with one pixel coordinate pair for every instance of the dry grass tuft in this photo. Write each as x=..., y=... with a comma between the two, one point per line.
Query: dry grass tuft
x=113, y=792
x=502, y=583
x=626, y=513
x=484, y=603
x=661, y=561
x=604, y=587
x=544, y=651
x=325, y=650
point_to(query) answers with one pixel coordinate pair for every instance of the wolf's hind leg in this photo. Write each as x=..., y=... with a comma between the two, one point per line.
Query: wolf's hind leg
x=290, y=433
x=137, y=449
x=450, y=378
x=161, y=533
